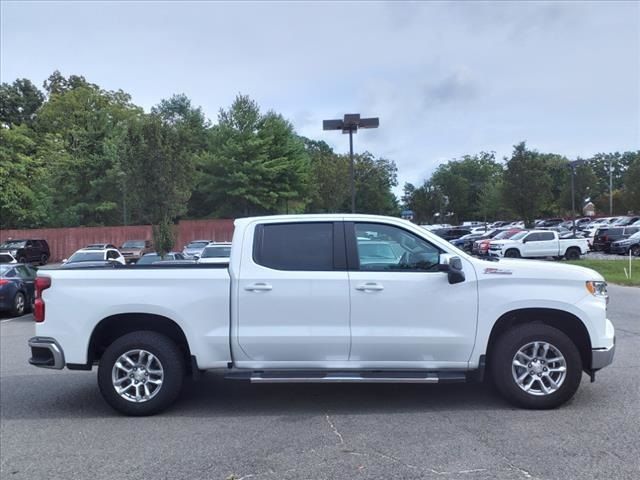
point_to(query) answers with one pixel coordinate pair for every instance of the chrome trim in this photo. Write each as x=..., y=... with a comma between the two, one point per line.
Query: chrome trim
x=601, y=357
x=51, y=345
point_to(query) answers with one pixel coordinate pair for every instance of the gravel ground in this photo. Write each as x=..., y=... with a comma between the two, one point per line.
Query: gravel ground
x=54, y=425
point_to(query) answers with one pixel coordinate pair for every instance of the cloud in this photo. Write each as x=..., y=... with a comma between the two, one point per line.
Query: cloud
x=456, y=87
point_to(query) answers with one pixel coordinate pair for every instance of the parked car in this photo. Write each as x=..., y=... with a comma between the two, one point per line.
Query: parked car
x=16, y=288
x=215, y=253
x=451, y=233
x=6, y=257
x=626, y=245
x=101, y=246
x=626, y=220
x=481, y=247
x=466, y=242
x=27, y=251
x=153, y=257
x=296, y=305
x=539, y=244
x=195, y=248
x=132, y=250
x=549, y=222
x=95, y=255
x=606, y=236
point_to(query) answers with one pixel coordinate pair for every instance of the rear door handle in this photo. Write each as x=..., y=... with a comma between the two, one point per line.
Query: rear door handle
x=258, y=287
x=370, y=287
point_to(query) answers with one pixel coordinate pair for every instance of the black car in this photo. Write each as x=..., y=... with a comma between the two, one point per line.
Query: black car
x=451, y=233
x=17, y=282
x=606, y=236
x=27, y=251
x=627, y=245
x=550, y=222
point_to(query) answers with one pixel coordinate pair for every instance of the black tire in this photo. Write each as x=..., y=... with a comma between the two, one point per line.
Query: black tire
x=512, y=253
x=502, y=356
x=43, y=259
x=19, y=305
x=635, y=250
x=572, y=253
x=169, y=355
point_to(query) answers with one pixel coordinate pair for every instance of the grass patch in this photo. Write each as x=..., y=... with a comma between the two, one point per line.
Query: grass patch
x=613, y=270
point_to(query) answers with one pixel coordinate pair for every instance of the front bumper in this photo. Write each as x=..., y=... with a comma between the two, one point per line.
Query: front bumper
x=46, y=353
x=623, y=249
x=601, y=357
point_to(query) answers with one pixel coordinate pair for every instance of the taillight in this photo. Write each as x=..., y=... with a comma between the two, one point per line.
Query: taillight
x=3, y=281
x=42, y=283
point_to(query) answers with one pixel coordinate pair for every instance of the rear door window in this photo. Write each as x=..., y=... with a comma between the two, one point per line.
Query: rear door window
x=305, y=246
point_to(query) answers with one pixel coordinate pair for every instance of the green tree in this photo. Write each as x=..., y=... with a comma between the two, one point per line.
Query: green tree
x=426, y=201
x=22, y=198
x=632, y=186
x=330, y=179
x=255, y=163
x=159, y=167
x=463, y=181
x=85, y=174
x=19, y=102
x=526, y=183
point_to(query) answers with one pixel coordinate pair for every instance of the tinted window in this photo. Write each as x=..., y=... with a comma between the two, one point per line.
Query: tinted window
x=218, y=251
x=546, y=236
x=383, y=248
x=295, y=246
x=630, y=231
x=615, y=231
x=112, y=255
x=533, y=237
x=86, y=257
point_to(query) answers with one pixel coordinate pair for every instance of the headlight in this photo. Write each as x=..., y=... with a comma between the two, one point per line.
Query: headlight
x=13, y=252
x=597, y=289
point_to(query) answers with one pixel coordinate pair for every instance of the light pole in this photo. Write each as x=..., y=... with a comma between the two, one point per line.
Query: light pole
x=573, y=165
x=610, y=187
x=350, y=124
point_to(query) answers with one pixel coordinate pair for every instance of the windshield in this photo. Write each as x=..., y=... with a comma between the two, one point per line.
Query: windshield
x=197, y=244
x=222, y=251
x=376, y=250
x=5, y=258
x=86, y=257
x=4, y=269
x=13, y=244
x=133, y=244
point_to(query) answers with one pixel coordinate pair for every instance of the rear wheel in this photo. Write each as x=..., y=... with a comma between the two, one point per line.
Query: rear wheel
x=19, y=304
x=513, y=253
x=141, y=373
x=536, y=366
x=43, y=259
x=635, y=250
x=572, y=254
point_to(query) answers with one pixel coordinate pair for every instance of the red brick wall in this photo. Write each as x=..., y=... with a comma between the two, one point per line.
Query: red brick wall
x=64, y=241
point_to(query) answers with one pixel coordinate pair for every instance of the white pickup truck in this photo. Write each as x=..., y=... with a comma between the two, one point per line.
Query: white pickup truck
x=327, y=298
x=539, y=244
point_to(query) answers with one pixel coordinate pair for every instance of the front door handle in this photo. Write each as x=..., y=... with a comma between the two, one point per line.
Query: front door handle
x=370, y=287
x=258, y=287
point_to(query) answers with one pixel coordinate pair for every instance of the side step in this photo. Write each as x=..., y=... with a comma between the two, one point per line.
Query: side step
x=349, y=377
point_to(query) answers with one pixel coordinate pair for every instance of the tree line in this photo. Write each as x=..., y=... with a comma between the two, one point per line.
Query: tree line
x=75, y=154
x=525, y=186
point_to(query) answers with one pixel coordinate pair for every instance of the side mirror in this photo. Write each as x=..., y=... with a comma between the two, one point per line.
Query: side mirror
x=196, y=257
x=453, y=267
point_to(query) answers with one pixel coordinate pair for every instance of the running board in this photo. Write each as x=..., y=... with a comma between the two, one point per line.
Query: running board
x=349, y=377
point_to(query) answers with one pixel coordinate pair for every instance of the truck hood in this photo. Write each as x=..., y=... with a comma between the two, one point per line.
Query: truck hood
x=534, y=269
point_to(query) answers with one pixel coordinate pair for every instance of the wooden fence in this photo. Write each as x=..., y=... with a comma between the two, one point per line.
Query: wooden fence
x=64, y=241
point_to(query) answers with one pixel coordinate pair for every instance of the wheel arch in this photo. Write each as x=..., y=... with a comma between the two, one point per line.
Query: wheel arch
x=115, y=326
x=564, y=321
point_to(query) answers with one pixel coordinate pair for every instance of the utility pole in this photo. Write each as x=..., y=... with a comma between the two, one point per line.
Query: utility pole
x=350, y=124
x=572, y=166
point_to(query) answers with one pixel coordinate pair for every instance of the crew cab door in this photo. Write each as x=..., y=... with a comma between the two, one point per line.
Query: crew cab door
x=541, y=244
x=404, y=312
x=293, y=296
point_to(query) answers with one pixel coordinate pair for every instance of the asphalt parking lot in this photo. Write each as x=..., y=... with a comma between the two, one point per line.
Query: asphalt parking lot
x=55, y=425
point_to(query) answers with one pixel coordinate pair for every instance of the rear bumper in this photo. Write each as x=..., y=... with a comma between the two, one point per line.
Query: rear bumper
x=602, y=357
x=46, y=353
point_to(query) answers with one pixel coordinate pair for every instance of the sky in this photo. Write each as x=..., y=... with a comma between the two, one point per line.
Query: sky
x=446, y=79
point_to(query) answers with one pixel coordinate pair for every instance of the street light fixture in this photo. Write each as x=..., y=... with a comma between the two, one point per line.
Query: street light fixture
x=350, y=124
x=572, y=166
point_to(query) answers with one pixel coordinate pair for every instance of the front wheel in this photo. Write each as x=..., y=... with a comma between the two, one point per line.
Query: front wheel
x=536, y=366
x=635, y=250
x=513, y=253
x=141, y=373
